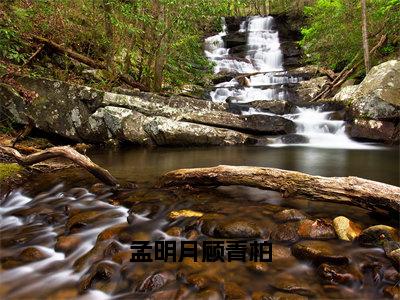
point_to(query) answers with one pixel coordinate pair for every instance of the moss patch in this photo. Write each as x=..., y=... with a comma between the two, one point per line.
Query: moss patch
x=7, y=170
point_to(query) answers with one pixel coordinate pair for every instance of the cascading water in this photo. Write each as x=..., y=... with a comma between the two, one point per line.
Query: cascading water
x=263, y=63
x=260, y=75
x=321, y=131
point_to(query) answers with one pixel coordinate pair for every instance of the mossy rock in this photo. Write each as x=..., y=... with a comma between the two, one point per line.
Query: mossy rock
x=8, y=170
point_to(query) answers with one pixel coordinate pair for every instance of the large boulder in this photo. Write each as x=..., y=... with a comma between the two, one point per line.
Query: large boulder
x=164, y=131
x=374, y=111
x=306, y=90
x=256, y=124
x=373, y=130
x=59, y=108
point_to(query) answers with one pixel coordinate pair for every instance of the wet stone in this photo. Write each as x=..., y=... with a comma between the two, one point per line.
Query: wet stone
x=345, y=229
x=318, y=229
x=102, y=272
x=67, y=243
x=80, y=220
x=392, y=292
x=155, y=282
x=318, y=252
x=286, y=296
x=287, y=283
x=332, y=274
x=392, y=275
x=287, y=232
x=234, y=291
x=376, y=235
x=174, y=231
x=112, y=249
x=280, y=252
x=208, y=294
x=199, y=281
x=112, y=232
x=288, y=215
x=31, y=254
x=122, y=257
x=258, y=267
x=237, y=229
x=185, y=213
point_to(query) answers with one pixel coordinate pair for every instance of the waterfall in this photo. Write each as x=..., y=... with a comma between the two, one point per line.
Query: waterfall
x=264, y=78
x=321, y=131
x=263, y=54
x=263, y=44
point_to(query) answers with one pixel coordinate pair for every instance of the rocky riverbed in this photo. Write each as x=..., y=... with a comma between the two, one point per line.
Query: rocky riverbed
x=59, y=242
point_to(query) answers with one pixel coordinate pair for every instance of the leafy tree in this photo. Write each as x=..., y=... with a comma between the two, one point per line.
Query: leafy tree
x=333, y=36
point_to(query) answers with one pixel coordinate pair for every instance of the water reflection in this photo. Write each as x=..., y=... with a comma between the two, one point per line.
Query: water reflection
x=147, y=164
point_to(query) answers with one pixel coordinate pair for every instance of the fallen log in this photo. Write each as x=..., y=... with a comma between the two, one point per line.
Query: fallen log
x=65, y=152
x=88, y=61
x=364, y=193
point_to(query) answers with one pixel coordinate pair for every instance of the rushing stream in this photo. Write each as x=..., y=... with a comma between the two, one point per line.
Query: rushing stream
x=64, y=236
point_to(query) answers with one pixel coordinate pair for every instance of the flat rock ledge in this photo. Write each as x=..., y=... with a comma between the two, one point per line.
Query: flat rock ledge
x=84, y=114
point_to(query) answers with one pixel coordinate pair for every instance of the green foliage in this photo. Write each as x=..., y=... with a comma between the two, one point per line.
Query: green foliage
x=11, y=45
x=333, y=35
x=8, y=170
x=158, y=42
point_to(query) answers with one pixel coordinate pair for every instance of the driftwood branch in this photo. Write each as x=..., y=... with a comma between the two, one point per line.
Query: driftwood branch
x=88, y=61
x=346, y=72
x=36, y=53
x=364, y=193
x=65, y=152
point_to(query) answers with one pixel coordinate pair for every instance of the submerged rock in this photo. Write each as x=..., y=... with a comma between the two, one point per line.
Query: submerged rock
x=332, y=274
x=288, y=215
x=294, y=139
x=318, y=252
x=318, y=229
x=288, y=283
x=155, y=282
x=67, y=243
x=234, y=291
x=285, y=233
x=286, y=296
x=237, y=229
x=345, y=229
x=31, y=254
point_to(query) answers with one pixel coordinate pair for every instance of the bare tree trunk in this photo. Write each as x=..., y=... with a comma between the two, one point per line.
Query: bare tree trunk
x=365, y=35
x=368, y=194
x=109, y=31
x=65, y=152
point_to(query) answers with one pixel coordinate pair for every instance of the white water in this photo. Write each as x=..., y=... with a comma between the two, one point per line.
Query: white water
x=265, y=58
x=37, y=277
x=323, y=132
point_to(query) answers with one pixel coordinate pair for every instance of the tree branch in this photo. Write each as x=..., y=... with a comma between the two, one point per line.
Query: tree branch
x=65, y=152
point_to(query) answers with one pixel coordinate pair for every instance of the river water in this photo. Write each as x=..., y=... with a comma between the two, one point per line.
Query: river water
x=64, y=236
